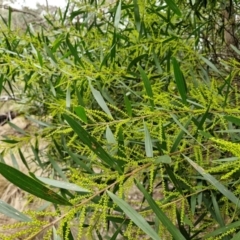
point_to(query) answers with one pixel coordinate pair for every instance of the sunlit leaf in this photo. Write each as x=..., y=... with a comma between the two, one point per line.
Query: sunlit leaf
x=148, y=142
x=163, y=159
x=64, y=185
x=210, y=64
x=11, y=212
x=68, y=98
x=134, y=216
x=110, y=137
x=118, y=14
x=98, y=97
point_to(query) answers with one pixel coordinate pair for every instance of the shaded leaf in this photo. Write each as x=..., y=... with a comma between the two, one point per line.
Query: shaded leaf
x=173, y=6
x=57, y=168
x=128, y=105
x=233, y=119
x=91, y=142
x=147, y=86
x=137, y=15
x=180, y=81
x=30, y=185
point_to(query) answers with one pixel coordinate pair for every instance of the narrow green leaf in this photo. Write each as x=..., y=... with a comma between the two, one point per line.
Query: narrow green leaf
x=236, y=237
x=63, y=19
x=205, y=134
x=55, y=235
x=210, y=64
x=128, y=105
x=148, y=142
x=23, y=159
x=221, y=188
x=57, y=168
x=11, y=212
x=38, y=55
x=35, y=151
x=118, y=14
x=226, y=159
x=232, y=119
x=74, y=51
x=223, y=230
x=163, y=159
x=78, y=161
x=147, y=85
x=173, y=6
x=98, y=97
x=137, y=15
x=157, y=63
x=52, y=88
x=217, y=212
x=66, y=233
x=92, y=143
x=40, y=123
x=203, y=119
x=49, y=53
x=136, y=60
x=80, y=111
x=228, y=131
x=14, y=160
x=31, y=185
x=68, y=98
x=1, y=82
x=176, y=234
x=180, y=81
x=18, y=129
x=179, y=137
x=64, y=185
x=235, y=49
x=110, y=137
x=134, y=216
x=9, y=18
x=193, y=203
x=200, y=194
x=183, y=128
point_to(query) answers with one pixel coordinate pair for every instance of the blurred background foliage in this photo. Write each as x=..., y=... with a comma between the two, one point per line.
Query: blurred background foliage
x=139, y=103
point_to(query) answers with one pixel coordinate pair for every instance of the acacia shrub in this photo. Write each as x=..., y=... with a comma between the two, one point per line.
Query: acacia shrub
x=134, y=107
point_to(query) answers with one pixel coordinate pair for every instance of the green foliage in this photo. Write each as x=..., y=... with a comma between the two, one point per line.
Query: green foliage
x=136, y=107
